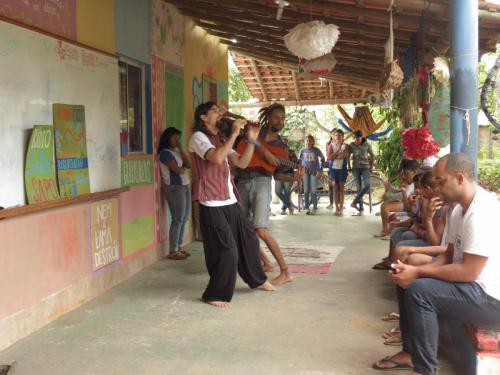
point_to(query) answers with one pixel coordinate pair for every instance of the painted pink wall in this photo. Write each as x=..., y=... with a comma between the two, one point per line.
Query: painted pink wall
x=136, y=202
x=42, y=254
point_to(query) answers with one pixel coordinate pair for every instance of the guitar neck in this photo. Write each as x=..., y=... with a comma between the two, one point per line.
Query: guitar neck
x=290, y=164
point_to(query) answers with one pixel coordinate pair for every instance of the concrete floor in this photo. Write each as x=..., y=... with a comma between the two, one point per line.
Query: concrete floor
x=154, y=323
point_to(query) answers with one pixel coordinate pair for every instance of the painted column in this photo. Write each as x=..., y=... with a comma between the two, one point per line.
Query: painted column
x=463, y=74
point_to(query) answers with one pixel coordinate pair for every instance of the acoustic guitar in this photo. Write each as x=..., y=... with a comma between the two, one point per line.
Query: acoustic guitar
x=259, y=161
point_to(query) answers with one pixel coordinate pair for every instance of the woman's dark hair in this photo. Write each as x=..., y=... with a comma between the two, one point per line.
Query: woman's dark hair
x=339, y=131
x=165, y=138
x=265, y=113
x=427, y=179
x=202, y=109
x=359, y=134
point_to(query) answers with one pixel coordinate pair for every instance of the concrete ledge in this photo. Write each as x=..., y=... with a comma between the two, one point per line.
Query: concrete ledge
x=25, y=322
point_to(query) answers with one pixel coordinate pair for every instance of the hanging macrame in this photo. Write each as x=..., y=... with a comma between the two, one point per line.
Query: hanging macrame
x=393, y=75
x=361, y=120
x=312, y=39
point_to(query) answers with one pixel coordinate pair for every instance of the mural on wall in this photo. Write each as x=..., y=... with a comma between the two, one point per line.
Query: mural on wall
x=137, y=170
x=167, y=33
x=174, y=100
x=137, y=217
x=40, y=170
x=104, y=233
x=71, y=149
x=55, y=16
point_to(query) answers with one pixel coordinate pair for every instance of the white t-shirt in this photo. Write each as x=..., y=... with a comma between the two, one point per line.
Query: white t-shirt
x=476, y=233
x=200, y=144
x=338, y=163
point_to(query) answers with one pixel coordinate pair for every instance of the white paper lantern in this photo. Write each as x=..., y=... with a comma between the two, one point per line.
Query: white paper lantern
x=312, y=39
x=321, y=65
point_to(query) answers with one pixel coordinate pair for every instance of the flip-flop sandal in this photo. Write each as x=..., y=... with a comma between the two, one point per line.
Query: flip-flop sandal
x=381, y=266
x=397, y=365
x=385, y=238
x=392, y=332
x=394, y=340
x=392, y=317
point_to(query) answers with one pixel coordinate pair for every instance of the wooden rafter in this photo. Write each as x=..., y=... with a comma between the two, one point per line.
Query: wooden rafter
x=259, y=79
x=296, y=85
x=364, y=29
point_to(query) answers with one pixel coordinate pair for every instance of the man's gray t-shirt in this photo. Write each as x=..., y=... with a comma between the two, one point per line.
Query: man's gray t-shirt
x=360, y=154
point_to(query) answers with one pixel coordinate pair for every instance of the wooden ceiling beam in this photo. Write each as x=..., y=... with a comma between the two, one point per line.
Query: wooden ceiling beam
x=235, y=26
x=288, y=20
x=371, y=65
x=296, y=86
x=259, y=79
x=301, y=102
x=357, y=78
x=339, y=48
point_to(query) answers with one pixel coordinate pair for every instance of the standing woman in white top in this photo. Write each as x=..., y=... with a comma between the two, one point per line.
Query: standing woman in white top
x=337, y=154
x=173, y=165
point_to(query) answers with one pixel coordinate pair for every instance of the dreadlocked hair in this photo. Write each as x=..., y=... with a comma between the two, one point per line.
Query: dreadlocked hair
x=265, y=113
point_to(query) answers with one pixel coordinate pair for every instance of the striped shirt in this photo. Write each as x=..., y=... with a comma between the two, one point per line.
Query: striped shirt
x=212, y=184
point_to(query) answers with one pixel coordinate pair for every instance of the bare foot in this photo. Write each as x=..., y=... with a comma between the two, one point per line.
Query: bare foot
x=268, y=268
x=380, y=234
x=218, y=303
x=268, y=287
x=283, y=278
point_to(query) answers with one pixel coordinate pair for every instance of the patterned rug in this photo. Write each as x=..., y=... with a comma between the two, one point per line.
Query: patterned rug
x=306, y=259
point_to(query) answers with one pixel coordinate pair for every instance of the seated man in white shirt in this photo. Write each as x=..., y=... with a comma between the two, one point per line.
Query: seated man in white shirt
x=461, y=285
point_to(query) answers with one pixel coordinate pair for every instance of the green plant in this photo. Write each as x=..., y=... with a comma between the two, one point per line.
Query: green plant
x=488, y=172
x=390, y=154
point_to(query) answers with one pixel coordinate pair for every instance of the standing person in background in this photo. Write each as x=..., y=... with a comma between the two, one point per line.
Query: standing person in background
x=283, y=188
x=175, y=188
x=362, y=163
x=229, y=240
x=337, y=155
x=329, y=164
x=311, y=157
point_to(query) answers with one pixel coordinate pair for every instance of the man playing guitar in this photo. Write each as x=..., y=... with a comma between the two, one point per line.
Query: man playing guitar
x=254, y=183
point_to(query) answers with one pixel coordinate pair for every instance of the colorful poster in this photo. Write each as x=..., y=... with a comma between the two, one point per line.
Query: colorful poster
x=167, y=29
x=40, y=170
x=55, y=16
x=71, y=150
x=104, y=232
x=174, y=101
x=137, y=170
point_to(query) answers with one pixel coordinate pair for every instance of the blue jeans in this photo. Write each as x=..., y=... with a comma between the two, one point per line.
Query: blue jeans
x=283, y=190
x=178, y=198
x=454, y=303
x=362, y=180
x=402, y=234
x=310, y=191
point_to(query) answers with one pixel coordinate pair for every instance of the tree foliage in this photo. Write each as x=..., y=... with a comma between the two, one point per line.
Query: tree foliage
x=238, y=91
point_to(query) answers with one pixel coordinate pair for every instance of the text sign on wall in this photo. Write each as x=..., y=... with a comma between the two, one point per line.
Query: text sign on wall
x=71, y=150
x=40, y=171
x=137, y=170
x=104, y=231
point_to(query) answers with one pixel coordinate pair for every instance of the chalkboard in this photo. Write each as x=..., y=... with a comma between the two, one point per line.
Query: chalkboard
x=37, y=71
